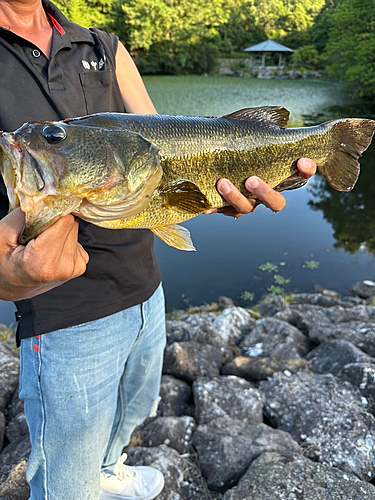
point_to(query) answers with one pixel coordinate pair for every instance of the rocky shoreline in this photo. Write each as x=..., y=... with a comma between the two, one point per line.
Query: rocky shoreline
x=272, y=403
x=241, y=68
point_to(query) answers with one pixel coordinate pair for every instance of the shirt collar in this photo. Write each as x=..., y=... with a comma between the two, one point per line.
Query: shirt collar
x=74, y=32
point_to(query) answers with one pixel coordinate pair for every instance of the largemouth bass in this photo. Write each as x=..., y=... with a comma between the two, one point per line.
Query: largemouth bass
x=153, y=171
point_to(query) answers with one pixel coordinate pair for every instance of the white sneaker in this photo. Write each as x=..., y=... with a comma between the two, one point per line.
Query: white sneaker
x=131, y=483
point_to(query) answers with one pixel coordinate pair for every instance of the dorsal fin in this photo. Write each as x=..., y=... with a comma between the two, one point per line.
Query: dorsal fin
x=275, y=114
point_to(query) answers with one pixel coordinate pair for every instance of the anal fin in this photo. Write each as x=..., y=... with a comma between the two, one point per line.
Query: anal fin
x=291, y=183
x=175, y=236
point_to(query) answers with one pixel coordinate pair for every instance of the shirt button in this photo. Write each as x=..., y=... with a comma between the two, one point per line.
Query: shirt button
x=36, y=53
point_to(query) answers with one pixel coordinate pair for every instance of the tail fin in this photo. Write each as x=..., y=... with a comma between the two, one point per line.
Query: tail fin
x=350, y=138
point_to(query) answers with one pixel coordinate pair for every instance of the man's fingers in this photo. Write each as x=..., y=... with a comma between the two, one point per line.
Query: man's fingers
x=233, y=196
x=272, y=199
x=306, y=167
x=12, y=226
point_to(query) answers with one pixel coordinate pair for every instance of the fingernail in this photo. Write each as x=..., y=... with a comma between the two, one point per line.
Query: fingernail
x=252, y=183
x=224, y=187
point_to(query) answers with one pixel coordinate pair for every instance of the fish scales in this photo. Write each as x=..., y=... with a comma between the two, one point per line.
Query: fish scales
x=137, y=171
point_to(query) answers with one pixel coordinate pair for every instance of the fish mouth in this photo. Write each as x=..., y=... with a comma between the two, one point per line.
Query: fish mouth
x=25, y=175
x=10, y=158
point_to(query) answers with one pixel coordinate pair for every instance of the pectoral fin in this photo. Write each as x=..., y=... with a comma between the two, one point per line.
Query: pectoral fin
x=175, y=236
x=184, y=196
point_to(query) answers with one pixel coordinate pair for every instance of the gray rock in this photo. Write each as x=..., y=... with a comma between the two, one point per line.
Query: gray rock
x=233, y=323
x=17, y=428
x=183, y=480
x=224, y=456
x=266, y=74
x=174, y=397
x=256, y=369
x=271, y=304
x=15, y=406
x=275, y=338
x=225, y=302
x=200, y=319
x=327, y=416
x=362, y=376
x=2, y=429
x=9, y=374
x=227, y=396
x=363, y=289
x=332, y=356
x=16, y=487
x=200, y=328
x=190, y=360
x=205, y=333
x=305, y=316
x=317, y=299
x=359, y=333
x=177, y=331
x=282, y=476
x=12, y=455
x=175, y=432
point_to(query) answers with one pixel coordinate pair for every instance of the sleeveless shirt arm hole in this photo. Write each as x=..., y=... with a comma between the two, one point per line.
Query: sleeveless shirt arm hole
x=110, y=44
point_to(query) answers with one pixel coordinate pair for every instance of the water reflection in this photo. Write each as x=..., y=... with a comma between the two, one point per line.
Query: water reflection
x=351, y=215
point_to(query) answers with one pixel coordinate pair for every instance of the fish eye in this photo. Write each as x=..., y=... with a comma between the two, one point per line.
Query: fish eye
x=53, y=134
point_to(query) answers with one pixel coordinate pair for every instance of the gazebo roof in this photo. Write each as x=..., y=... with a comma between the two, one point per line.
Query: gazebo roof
x=268, y=46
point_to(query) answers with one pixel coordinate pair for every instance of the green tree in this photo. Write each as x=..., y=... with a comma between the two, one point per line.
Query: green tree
x=168, y=36
x=322, y=25
x=307, y=57
x=288, y=20
x=242, y=29
x=350, y=51
x=87, y=13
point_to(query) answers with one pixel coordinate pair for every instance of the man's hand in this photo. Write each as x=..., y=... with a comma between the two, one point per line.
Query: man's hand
x=263, y=192
x=51, y=259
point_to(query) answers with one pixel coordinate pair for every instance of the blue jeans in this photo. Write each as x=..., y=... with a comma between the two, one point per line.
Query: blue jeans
x=85, y=390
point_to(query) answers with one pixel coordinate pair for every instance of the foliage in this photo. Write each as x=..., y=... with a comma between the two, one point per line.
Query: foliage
x=188, y=36
x=242, y=29
x=311, y=264
x=323, y=22
x=280, y=280
x=248, y=296
x=276, y=290
x=87, y=13
x=268, y=267
x=308, y=57
x=350, y=51
x=288, y=19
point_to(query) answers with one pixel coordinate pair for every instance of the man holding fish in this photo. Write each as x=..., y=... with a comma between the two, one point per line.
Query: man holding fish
x=89, y=300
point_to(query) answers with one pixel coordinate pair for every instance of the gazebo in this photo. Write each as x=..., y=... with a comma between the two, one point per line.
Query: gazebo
x=266, y=47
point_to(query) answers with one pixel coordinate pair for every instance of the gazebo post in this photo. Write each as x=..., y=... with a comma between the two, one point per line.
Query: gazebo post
x=263, y=60
x=280, y=60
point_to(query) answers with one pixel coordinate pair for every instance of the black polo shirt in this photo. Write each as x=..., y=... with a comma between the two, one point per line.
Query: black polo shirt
x=78, y=79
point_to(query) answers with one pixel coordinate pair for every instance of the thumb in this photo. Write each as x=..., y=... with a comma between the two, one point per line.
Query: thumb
x=12, y=226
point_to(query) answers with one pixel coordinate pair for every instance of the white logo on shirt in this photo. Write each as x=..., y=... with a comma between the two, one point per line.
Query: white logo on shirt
x=101, y=63
x=94, y=65
x=85, y=64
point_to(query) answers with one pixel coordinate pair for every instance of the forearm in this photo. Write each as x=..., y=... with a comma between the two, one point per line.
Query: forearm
x=133, y=90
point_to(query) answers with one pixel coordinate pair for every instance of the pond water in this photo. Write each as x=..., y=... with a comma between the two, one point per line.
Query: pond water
x=322, y=237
